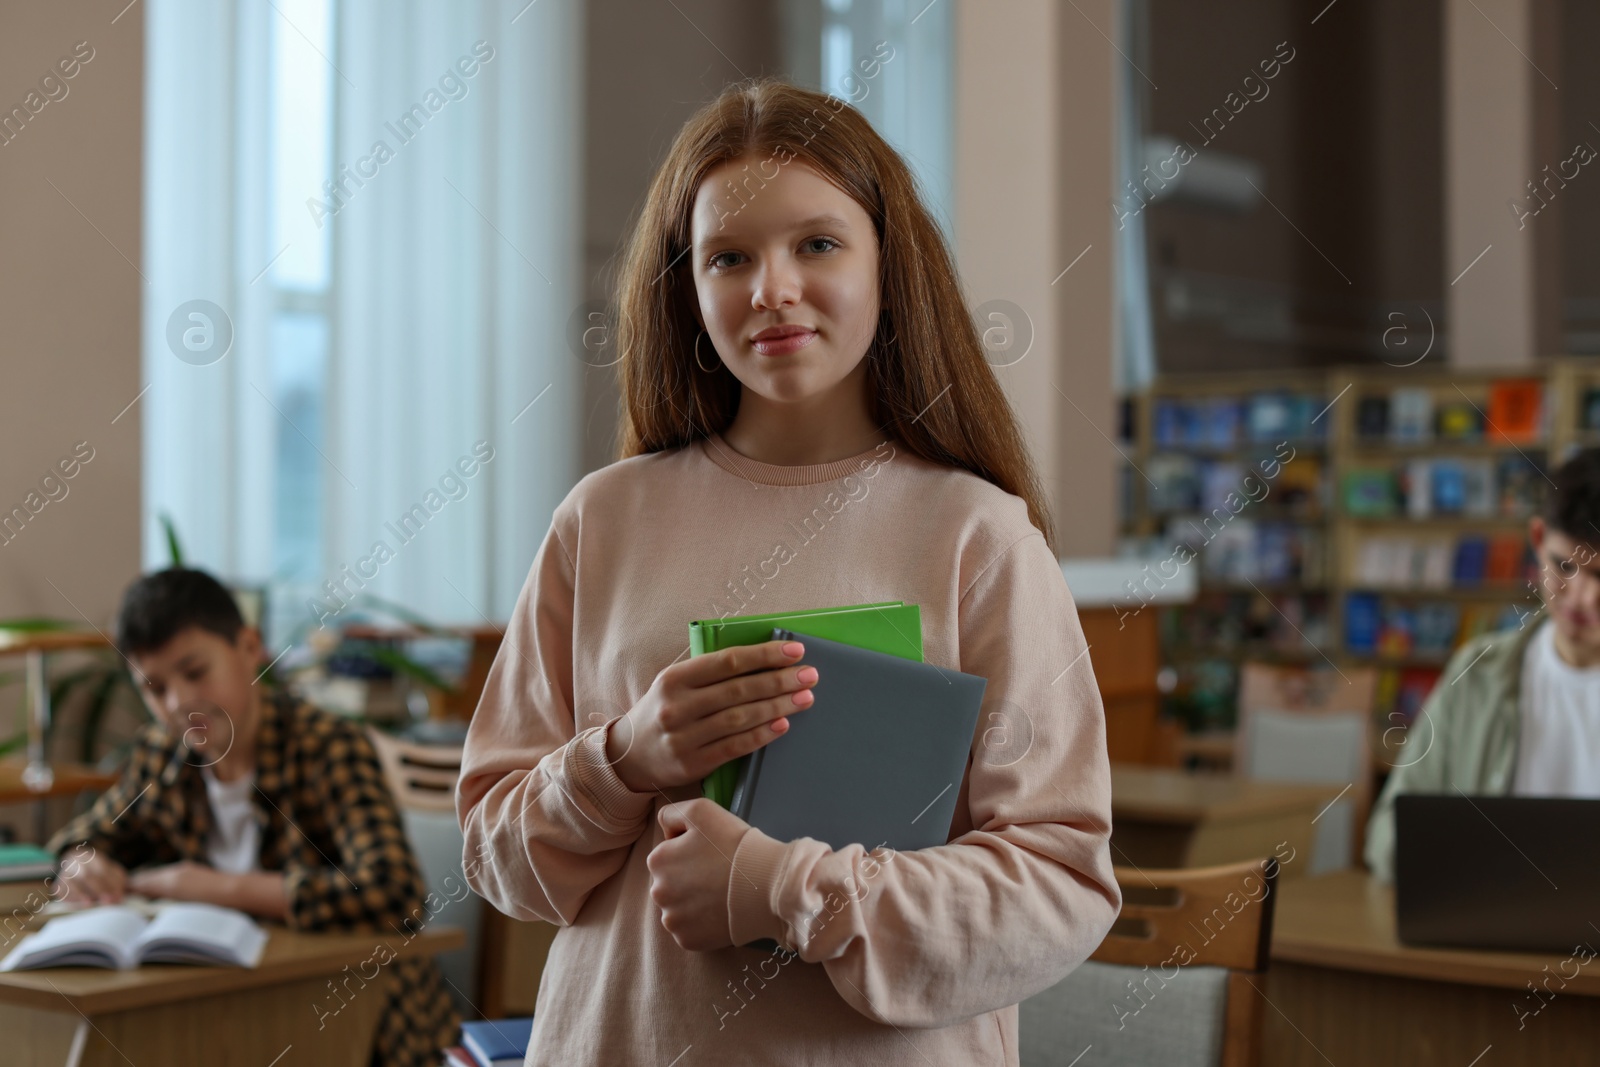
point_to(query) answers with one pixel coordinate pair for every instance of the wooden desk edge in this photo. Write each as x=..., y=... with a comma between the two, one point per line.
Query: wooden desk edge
x=189, y=981
x=1457, y=967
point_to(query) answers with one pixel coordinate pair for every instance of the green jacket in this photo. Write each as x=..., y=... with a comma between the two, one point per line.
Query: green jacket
x=1464, y=736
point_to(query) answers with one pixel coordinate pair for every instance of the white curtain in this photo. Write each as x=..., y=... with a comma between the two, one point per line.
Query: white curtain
x=453, y=283
x=1134, y=356
x=451, y=286
x=207, y=437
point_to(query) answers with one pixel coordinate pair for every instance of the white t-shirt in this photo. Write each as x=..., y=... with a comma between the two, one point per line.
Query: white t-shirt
x=1558, y=754
x=234, y=844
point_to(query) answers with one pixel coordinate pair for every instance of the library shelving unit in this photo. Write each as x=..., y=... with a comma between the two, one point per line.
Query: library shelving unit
x=1395, y=530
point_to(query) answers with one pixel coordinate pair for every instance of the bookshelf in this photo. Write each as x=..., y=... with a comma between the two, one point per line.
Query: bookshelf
x=1396, y=531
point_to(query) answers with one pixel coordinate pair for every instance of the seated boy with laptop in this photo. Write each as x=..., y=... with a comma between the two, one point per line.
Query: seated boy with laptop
x=243, y=796
x=1517, y=713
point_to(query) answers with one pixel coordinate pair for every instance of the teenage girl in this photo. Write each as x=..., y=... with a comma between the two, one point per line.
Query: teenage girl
x=809, y=420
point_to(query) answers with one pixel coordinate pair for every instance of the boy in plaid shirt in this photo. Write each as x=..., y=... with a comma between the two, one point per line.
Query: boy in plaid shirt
x=244, y=796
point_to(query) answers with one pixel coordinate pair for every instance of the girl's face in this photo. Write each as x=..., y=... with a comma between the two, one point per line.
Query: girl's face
x=785, y=269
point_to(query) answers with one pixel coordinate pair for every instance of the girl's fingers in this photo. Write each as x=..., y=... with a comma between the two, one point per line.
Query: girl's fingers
x=697, y=672
x=742, y=718
x=751, y=691
x=747, y=741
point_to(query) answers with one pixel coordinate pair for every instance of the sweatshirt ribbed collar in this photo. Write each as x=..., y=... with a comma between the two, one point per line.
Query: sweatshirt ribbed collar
x=723, y=455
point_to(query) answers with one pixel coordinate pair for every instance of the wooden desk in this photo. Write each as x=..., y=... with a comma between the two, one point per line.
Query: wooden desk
x=1345, y=990
x=67, y=779
x=1170, y=818
x=180, y=1014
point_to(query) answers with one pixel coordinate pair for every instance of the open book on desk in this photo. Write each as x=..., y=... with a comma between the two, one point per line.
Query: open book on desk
x=120, y=938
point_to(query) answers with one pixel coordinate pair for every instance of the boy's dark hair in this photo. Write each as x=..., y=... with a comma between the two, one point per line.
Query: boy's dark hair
x=1573, y=506
x=160, y=605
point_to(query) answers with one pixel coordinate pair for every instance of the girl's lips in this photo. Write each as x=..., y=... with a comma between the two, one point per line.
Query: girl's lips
x=782, y=346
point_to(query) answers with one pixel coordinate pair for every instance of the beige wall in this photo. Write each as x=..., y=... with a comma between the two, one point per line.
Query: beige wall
x=1034, y=175
x=1493, y=89
x=69, y=301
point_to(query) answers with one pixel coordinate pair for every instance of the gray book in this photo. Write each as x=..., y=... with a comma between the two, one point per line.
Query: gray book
x=877, y=758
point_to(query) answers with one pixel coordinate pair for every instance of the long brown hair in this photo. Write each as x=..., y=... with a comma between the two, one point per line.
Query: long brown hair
x=928, y=382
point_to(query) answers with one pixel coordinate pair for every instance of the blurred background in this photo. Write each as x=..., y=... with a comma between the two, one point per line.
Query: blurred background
x=269, y=270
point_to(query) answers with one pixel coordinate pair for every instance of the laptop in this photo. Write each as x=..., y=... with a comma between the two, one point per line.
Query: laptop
x=1497, y=872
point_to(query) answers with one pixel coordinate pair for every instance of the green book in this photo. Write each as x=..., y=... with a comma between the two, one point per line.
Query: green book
x=891, y=626
x=22, y=863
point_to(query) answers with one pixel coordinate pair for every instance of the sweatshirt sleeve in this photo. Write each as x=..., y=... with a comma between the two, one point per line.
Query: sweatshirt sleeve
x=932, y=936
x=544, y=816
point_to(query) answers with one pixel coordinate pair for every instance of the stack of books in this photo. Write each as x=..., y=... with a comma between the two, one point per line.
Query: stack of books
x=24, y=863
x=491, y=1043
x=871, y=761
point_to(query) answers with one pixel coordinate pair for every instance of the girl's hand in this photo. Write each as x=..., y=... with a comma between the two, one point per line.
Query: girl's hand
x=689, y=872
x=702, y=712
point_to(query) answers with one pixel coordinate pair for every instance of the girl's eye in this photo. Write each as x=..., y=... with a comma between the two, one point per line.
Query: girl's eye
x=828, y=241
x=715, y=261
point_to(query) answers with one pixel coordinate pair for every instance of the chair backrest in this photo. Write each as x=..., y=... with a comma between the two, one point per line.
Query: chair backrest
x=1312, y=726
x=423, y=780
x=421, y=777
x=1173, y=983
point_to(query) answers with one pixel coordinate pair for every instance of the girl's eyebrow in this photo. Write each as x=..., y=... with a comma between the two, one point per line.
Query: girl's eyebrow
x=731, y=233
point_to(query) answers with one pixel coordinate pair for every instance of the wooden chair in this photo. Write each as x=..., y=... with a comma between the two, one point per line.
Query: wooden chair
x=423, y=780
x=1312, y=726
x=500, y=968
x=1177, y=980
x=1127, y=657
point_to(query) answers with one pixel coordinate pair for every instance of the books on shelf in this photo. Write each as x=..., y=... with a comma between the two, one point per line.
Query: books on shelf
x=1227, y=421
x=1362, y=619
x=1429, y=486
x=1371, y=492
x=1372, y=417
x=1459, y=421
x=1512, y=413
x=1181, y=483
x=1227, y=624
x=1250, y=550
x=1520, y=486
x=1410, y=415
x=1589, y=411
x=1516, y=410
x=1439, y=562
x=120, y=938
x=1429, y=630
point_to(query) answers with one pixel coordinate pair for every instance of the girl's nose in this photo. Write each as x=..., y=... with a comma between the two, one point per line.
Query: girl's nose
x=778, y=286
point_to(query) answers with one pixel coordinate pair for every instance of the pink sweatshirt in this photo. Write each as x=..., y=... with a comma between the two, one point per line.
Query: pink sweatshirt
x=910, y=958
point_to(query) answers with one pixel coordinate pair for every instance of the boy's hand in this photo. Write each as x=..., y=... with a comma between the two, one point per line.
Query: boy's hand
x=689, y=872
x=95, y=879
x=178, y=881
